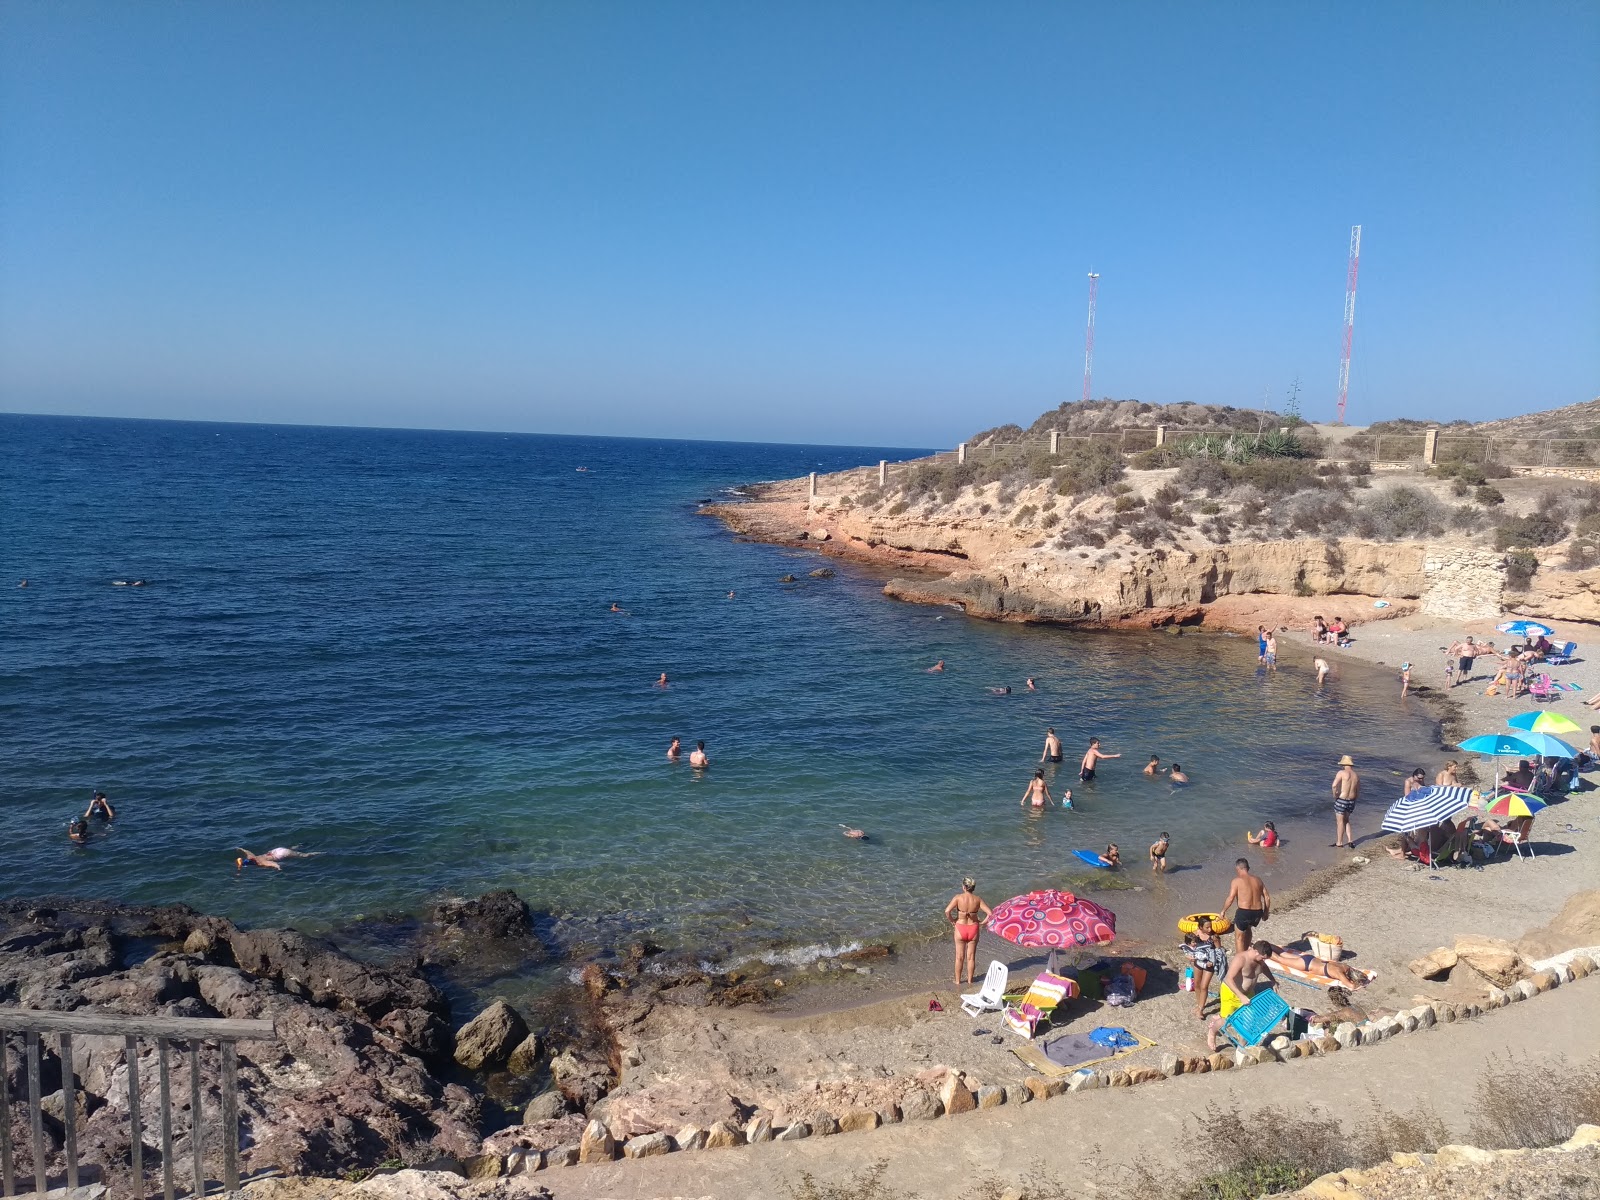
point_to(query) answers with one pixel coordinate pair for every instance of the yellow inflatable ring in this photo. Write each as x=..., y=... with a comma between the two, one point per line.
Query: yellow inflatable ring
x=1191, y=923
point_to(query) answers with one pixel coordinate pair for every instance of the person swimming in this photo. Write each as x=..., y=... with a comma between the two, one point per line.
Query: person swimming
x=859, y=835
x=936, y=668
x=662, y=682
x=1112, y=857
x=101, y=806
x=1153, y=767
x=1175, y=773
x=674, y=750
x=1031, y=686
x=1000, y=691
x=78, y=830
x=698, y=757
x=255, y=860
x=617, y=608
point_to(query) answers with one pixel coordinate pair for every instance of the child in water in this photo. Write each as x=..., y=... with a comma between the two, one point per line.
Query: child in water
x=1111, y=858
x=1268, y=836
x=1158, y=853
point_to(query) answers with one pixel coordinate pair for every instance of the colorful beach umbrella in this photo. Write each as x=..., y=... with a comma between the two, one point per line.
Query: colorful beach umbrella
x=1426, y=806
x=1515, y=804
x=1525, y=629
x=1549, y=747
x=1053, y=920
x=1538, y=720
x=1500, y=745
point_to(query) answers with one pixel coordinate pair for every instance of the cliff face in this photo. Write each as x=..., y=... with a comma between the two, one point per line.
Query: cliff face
x=995, y=569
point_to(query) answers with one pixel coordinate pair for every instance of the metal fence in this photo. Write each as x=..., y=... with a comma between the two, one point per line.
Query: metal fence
x=172, y=1035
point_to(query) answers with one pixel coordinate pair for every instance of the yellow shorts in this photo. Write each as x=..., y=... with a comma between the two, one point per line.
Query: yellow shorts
x=1232, y=1002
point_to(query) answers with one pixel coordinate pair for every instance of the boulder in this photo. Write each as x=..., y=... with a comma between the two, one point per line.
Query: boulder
x=1017, y=1094
x=955, y=1096
x=822, y=573
x=524, y=1057
x=758, y=1130
x=1543, y=981
x=582, y=1079
x=1138, y=1075
x=1526, y=989
x=794, y=1133
x=524, y=1162
x=1038, y=1087
x=483, y=1166
x=890, y=1114
x=1582, y=966
x=1083, y=1081
x=562, y=1156
x=690, y=1137
x=856, y=1120
x=1462, y=1156
x=1196, y=1064
x=991, y=1097
x=1495, y=959
x=824, y=1124
x=821, y=535
x=723, y=1136
x=647, y=1145
x=1171, y=1064
x=919, y=1104
x=1583, y=1135
x=1221, y=1061
x=1347, y=1035
x=1121, y=1079
x=486, y=1041
x=785, y=578
x=313, y=970
x=1434, y=965
x=597, y=1145
x=546, y=1106
x=420, y=1030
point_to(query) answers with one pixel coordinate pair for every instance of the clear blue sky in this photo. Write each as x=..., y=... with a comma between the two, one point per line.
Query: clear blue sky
x=849, y=222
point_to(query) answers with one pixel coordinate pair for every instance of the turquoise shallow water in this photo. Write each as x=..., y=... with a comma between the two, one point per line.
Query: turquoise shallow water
x=395, y=647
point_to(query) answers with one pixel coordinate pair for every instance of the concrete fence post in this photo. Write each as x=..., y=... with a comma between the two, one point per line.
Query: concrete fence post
x=812, y=497
x=1430, y=447
x=1161, y=435
x=961, y=453
x=1055, y=441
x=883, y=473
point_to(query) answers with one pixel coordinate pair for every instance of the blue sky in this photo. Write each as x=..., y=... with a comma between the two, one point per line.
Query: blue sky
x=838, y=222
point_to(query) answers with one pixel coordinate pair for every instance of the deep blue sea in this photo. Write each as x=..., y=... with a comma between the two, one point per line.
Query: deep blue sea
x=396, y=648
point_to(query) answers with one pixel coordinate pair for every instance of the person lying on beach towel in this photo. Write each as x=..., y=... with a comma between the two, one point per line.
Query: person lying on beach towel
x=1310, y=964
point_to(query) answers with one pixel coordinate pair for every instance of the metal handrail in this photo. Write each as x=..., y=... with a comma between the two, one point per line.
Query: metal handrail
x=191, y=1031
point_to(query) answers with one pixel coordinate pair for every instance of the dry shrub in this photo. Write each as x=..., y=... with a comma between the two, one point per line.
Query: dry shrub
x=867, y=1184
x=1528, y=1104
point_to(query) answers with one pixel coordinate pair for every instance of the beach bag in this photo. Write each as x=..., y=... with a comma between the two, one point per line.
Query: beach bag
x=1328, y=947
x=1120, y=991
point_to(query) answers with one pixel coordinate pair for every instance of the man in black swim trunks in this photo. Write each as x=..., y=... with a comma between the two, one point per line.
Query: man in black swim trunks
x=1253, y=900
x=1091, y=759
x=1052, y=746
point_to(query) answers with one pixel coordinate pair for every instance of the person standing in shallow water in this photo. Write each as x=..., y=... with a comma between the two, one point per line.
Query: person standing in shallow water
x=1037, y=790
x=698, y=756
x=1091, y=759
x=675, y=750
x=966, y=913
x=1346, y=791
x=1052, y=746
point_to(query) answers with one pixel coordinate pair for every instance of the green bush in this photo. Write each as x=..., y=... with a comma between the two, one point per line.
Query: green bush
x=1488, y=496
x=1520, y=568
x=1399, y=512
x=1128, y=503
x=1050, y=521
x=1024, y=514
x=1539, y=529
x=1087, y=467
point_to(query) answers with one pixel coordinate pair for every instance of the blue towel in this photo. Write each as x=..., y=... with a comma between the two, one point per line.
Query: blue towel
x=1090, y=857
x=1113, y=1037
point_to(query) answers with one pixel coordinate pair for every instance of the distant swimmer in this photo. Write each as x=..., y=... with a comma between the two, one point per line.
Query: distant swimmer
x=78, y=830
x=1037, y=791
x=1112, y=857
x=279, y=853
x=119, y=583
x=581, y=470
x=662, y=682
x=675, y=750
x=137, y=583
x=255, y=860
x=100, y=805
x=698, y=756
x=1052, y=746
x=617, y=608
x=1322, y=668
x=1153, y=767
x=859, y=835
x=1031, y=686
x=24, y=583
x=1000, y=691
x=1175, y=773
x=730, y=595
x=1091, y=759
x=936, y=668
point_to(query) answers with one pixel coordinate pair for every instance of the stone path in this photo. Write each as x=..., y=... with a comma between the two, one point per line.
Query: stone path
x=1082, y=1136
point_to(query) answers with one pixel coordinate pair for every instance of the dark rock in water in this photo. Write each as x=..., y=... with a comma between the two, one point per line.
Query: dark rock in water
x=482, y=938
x=548, y=1106
x=487, y=1040
x=499, y=916
x=786, y=579
x=425, y=1033
x=822, y=573
x=315, y=970
x=524, y=1057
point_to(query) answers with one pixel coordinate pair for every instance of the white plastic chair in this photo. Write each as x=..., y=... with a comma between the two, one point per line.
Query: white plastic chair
x=991, y=996
x=1514, y=839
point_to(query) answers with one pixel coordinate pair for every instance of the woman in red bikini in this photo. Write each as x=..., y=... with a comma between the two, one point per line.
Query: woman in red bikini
x=963, y=913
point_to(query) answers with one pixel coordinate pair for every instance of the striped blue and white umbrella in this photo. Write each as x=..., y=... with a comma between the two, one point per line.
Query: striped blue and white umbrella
x=1426, y=806
x=1525, y=629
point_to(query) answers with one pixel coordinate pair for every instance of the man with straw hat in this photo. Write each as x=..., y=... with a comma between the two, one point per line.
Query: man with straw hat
x=1346, y=791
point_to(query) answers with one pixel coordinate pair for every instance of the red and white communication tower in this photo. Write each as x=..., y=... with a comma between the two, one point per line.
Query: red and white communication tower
x=1088, y=336
x=1349, y=318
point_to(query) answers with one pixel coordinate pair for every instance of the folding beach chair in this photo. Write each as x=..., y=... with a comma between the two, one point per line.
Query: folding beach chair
x=1039, y=1003
x=1562, y=654
x=1540, y=688
x=1516, y=841
x=991, y=996
x=1254, y=1022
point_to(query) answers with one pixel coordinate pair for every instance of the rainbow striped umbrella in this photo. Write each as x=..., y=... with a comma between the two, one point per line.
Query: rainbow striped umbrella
x=1538, y=720
x=1515, y=804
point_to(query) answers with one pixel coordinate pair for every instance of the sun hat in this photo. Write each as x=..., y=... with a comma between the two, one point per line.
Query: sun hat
x=1346, y=761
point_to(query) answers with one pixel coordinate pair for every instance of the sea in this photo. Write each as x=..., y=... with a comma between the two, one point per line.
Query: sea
x=397, y=649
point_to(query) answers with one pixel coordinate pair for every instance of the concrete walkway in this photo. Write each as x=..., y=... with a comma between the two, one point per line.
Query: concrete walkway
x=1081, y=1137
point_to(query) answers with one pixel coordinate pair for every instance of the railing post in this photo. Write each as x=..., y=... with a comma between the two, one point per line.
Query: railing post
x=961, y=454
x=811, y=493
x=135, y=1125
x=230, y=1116
x=69, y=1110
x=163, y=1048
x=1161, y=435
x=883, y=473
x=31, y=1041
x=1055, y=441
x=196, y=1131
x=1430, y=447
x=7, y=1164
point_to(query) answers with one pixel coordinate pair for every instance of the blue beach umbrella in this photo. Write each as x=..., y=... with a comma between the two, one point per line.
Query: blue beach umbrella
x=1426, y=806
x=1525, y=629
x=1550, y=747
x=1502, y=745
x=1541, y=720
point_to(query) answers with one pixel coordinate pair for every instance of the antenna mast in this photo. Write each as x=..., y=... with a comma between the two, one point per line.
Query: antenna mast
x=1088, y=336
x=1349, y=318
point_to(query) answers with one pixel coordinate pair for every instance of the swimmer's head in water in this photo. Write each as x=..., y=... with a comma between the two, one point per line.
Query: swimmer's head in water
x=699, y=745
x=969, y=884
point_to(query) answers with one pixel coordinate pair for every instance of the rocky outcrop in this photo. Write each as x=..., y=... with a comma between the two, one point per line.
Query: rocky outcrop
x=1471, y=1173
x=486, y=1041
x=483, y=937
